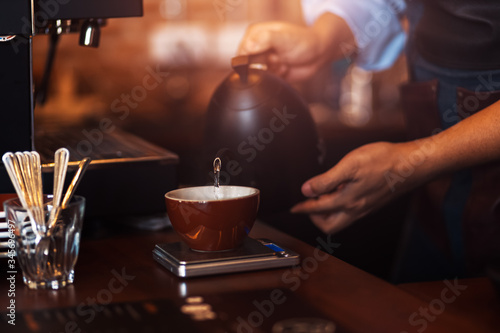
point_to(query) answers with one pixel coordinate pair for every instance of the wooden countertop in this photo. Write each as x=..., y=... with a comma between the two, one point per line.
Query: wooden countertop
x=121, y=269
x=473, y=302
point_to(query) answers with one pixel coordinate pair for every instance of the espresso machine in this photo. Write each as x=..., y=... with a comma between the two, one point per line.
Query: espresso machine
x=128, y=176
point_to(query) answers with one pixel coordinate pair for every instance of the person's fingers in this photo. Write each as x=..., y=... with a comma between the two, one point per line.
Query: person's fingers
x=333, y=222
x=299, y=73
x=257, y=39
x=325, y=203
x=274, y=63
x=330, y=180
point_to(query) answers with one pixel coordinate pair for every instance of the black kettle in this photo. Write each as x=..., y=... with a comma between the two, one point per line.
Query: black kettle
x=264, y=134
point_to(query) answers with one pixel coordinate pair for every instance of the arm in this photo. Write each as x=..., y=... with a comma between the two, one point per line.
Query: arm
x=299, y=51
x=372, y=175
x=367, y=31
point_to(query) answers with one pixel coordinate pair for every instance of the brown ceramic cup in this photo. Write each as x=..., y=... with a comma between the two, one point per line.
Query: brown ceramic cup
x=213, y=220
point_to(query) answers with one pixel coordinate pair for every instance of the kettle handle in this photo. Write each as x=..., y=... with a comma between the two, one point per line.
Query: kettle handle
x=241, y=64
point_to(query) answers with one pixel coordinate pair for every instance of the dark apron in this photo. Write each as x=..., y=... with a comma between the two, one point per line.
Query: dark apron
x=454, y=223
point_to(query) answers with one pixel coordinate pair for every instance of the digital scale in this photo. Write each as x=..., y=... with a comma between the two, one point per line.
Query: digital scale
x=253, y=254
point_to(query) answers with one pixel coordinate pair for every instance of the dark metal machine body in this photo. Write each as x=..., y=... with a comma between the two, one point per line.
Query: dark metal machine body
x=16, y=84
x=109, y=181
x=19, y=21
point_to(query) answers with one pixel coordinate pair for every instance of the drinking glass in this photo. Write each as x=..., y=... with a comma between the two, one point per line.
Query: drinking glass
x=47, y=256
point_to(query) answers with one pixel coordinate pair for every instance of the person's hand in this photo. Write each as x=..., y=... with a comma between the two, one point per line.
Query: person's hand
x=363, y=181
x=295, y=49
x=297, y=52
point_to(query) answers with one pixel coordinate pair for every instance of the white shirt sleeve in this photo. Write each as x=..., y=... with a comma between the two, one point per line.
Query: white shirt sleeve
x=374, y=23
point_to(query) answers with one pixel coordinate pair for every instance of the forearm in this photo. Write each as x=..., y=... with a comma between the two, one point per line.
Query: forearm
x=375, y=25
x=335, y=38
x=473, y=141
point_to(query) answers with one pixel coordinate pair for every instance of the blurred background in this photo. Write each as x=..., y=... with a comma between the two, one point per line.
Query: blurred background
x=190, y=45
x=154, y=76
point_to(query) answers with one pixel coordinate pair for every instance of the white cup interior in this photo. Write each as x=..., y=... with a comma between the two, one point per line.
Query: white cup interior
x=210, y=193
